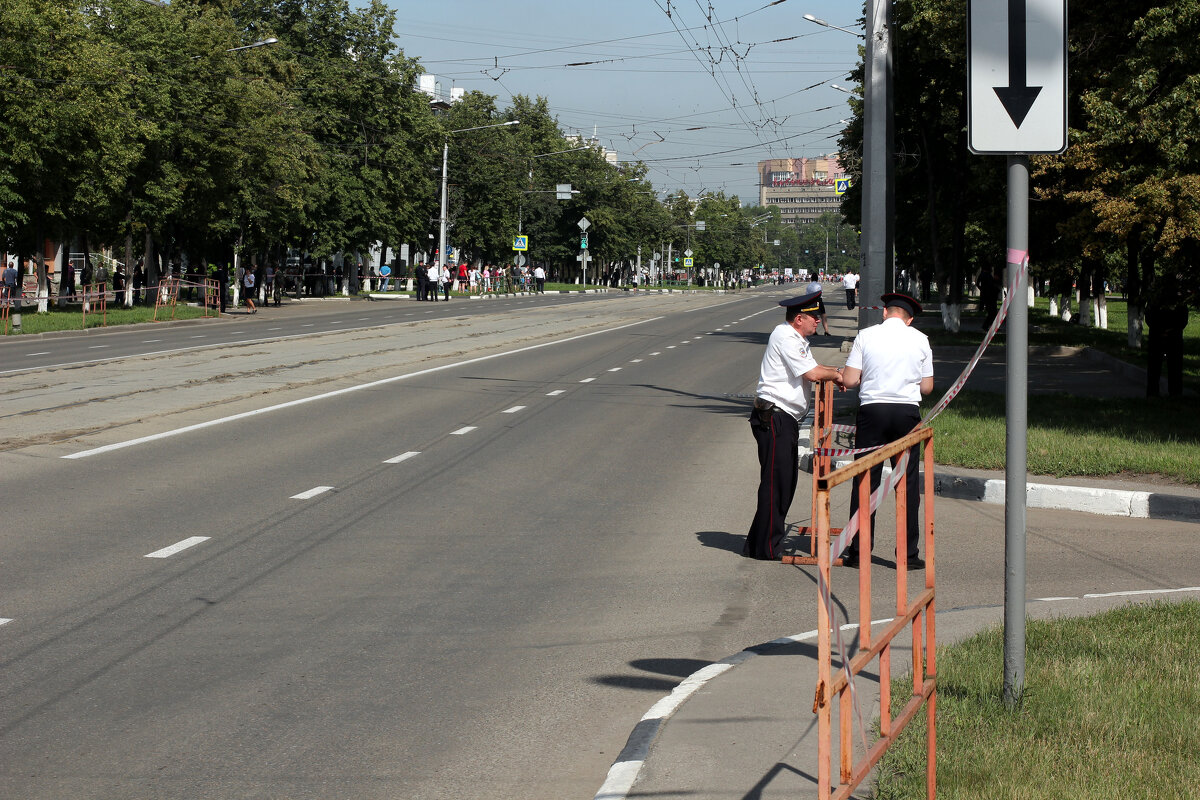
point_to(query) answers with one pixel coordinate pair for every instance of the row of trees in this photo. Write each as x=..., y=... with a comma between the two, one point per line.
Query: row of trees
x=207, y=131
x=1122, y=204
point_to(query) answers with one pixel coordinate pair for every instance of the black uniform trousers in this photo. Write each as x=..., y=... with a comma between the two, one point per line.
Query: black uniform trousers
x=777, y=433
x=879, y=424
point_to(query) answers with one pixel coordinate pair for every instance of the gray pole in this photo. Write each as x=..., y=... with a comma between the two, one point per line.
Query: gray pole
x=1017, y=350
x=878, y=189
x=442, y=222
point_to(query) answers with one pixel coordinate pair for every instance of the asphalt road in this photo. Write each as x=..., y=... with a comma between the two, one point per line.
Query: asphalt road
x=524, y=541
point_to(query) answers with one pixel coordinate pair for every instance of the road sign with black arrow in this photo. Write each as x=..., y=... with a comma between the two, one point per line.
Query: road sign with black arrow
x=1017, y=76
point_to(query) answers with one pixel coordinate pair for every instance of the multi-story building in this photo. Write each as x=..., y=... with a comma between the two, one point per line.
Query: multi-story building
x=802, y=188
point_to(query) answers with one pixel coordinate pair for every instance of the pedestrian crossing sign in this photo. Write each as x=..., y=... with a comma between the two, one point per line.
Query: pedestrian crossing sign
x=841, y=185
x=520, y=243
x=688, y=262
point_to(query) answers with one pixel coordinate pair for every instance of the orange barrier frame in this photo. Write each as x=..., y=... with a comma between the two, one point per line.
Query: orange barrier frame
x=95, y=294
x=170, y=288
x=822, y=463
x=919, y=612
x=5, y=306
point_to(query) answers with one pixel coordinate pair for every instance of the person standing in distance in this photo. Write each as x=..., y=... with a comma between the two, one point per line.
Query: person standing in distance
x=850, y=284
x=816, y=287
x=892, y=366
x=785, y=383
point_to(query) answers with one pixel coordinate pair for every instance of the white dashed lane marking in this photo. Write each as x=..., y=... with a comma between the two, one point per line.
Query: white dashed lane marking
x=587, y=380
x=403, y=457
x=5, y=620
x=656, y=354
x=43, y=353
x=555, y=392
x=311, y=493
x=463, y=430
x=512, y=410
x=167, y=552
x=615, y=369
x=97, y=346
x=636, y=361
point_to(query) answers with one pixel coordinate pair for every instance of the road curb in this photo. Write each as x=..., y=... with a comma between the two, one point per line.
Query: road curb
x=1088, y=499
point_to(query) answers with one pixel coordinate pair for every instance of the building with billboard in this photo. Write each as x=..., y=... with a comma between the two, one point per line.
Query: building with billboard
x=801, y=188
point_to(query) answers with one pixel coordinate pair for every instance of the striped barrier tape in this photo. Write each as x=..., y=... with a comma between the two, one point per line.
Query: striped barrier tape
x=1015, y=257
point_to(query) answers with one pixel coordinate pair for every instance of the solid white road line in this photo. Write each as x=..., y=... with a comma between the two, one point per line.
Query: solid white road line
x=311, y=493
x=513, y=410
x=336, y=392
x=555, y=392
x=403, y=457
x=166, y=552
x=464, y=430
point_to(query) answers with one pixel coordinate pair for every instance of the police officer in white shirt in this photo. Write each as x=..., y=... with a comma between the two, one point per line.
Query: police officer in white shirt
x=892, y=365
x=785, y=383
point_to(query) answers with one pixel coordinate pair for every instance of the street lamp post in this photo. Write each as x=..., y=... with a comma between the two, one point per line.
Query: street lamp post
x=878, y=186
x=441, y=262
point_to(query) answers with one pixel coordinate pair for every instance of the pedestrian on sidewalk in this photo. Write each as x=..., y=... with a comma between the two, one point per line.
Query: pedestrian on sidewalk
x=892, y=366
x=248, y=283
x=785, y=383
x=850, y=284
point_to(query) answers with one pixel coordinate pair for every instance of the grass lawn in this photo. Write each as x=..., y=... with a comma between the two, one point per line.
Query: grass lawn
x=55, y=320
x=1070, y=435
x=1109, y=713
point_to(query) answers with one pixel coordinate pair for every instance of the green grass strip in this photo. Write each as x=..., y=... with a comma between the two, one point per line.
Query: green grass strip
x=1076, y=436
x=1109, y=713
x=73, y=320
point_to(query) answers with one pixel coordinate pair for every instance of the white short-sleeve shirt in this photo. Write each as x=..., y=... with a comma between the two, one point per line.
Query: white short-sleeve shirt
x=849, y=281
x=781, y=376
x=893, y=358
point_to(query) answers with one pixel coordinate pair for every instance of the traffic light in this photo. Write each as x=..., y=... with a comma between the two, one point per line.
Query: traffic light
x=583, y=241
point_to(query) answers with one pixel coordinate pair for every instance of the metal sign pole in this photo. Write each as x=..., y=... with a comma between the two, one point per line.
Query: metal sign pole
x=1016, y=393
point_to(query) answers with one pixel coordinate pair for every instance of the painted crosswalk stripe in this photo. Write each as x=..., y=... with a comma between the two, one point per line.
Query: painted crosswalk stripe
x=166, y=552
x=513, y=410
x=555, y=392
x=402, y=457
x=461, y=431
x=311, y=493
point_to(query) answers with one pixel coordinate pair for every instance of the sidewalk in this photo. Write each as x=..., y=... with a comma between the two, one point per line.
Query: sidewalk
x=743, y=727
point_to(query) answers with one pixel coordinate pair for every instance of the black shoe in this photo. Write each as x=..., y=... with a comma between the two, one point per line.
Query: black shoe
x=916, y=562
x=850, y=561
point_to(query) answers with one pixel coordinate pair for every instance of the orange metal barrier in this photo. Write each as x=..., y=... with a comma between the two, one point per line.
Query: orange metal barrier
x=919, y=612
x=94, y=295
x=5, y=305
x=822, y=464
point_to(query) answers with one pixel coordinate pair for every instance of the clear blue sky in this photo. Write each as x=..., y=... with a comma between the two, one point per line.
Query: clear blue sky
x=674, y=91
